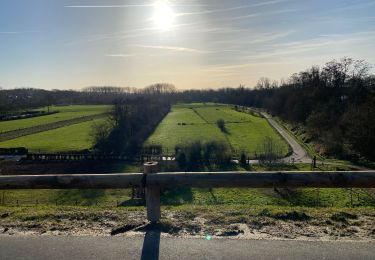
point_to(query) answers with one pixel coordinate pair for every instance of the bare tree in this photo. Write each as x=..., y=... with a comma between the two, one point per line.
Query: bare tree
x=263, y=83
x=271, y=152
x=160, y=88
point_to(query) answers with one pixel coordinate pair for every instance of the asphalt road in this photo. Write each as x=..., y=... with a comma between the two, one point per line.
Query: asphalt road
x=299, y=153
x=152, y=247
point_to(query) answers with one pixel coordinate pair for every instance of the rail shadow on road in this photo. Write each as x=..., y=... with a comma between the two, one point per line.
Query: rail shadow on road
x=151, y=243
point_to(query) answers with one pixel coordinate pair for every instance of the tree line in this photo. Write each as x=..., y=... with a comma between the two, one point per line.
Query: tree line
x=132, y=120
x=20, y=99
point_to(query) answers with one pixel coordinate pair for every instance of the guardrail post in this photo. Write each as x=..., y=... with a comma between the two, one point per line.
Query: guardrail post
x=152, y=194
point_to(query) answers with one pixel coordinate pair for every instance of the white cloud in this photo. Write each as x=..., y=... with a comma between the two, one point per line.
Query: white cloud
x=18, y=32
x=219, y=10
x=298, y=50
x=120, y=55
x=173, y=48
x=106, y=6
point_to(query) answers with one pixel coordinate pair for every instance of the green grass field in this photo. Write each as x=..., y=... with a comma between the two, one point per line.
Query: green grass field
x=198, y=196
x=69, y=138
x=191, y=122
x=78, y=108
x=65, y=113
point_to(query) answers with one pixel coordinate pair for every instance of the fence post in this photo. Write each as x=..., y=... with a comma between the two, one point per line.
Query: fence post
x=152, y=193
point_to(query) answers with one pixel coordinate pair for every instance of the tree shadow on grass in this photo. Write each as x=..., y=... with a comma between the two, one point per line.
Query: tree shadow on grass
x=247, y=167
x=227, y=167
x=171, y=196
x=177, y=196
x=281, y=167
x=226, y=131
x=296, y=197
x=86, y=196
x=213, y=196
x=132, y=202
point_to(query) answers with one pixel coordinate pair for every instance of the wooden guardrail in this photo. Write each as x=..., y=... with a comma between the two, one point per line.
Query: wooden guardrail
x=152, y=181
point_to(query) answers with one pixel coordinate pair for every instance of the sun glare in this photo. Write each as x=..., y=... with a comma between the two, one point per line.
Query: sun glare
x=163, y=15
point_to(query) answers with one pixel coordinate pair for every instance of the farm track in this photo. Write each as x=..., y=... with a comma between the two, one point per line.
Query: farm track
x=299, y=153
x=46, y=127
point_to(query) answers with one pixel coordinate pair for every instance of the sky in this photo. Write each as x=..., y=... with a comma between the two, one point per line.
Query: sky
x=72, y=44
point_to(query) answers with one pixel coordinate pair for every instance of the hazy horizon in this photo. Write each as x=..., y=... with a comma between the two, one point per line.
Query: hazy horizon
x=192, y=44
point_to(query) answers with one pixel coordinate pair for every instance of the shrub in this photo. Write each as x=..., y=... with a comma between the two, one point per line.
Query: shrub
x=271, y=152
x=189, y=156
x=153, y=149
x=196, y=154
x=216, y=152
x=221, y=124
x=181, y=159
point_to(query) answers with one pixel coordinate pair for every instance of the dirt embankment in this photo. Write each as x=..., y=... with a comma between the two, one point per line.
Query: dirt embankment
x=203, y=223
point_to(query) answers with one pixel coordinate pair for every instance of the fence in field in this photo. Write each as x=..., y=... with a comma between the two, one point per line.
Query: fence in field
x=142, y=157
x=28, y=114
x=97, y=157
x=152, y=181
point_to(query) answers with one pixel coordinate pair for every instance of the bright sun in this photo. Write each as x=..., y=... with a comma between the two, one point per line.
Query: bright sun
x=163, y=15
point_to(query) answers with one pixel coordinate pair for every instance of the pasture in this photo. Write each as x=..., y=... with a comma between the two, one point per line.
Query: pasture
x=65, y=113
x=187, y=123
x=65, y=139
